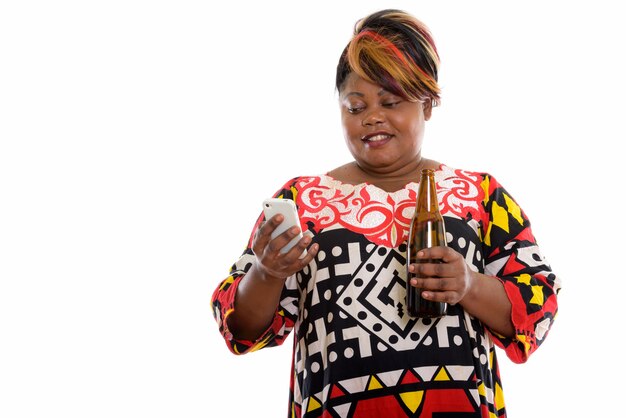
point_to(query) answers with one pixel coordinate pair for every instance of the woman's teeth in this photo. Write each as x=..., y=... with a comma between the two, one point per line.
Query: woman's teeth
x=377, y=138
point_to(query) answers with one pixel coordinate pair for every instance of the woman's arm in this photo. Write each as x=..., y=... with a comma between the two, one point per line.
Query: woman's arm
x=258, y=294
x=516, y=297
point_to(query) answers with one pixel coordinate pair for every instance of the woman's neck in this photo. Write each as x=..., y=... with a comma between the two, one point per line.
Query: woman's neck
x=353, y=173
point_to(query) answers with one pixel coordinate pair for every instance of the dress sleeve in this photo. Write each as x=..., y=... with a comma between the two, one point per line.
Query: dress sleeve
x=513, y=256
x=223, y=298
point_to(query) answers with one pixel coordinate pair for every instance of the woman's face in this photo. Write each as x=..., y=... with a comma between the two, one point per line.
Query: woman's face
x=383, y=131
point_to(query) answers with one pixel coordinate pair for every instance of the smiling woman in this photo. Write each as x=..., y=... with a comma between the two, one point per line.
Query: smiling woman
x=387, y=81
x=139, y=138
x=384, y=134
x=341, y=289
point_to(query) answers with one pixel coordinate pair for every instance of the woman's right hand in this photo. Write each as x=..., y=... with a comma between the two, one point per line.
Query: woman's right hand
x=270, y=261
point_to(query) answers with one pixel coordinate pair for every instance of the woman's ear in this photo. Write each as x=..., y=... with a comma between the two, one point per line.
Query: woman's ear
x=427, y=107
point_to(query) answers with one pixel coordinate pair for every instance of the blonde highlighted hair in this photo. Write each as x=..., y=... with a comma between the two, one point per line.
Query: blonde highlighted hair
x=395, y=50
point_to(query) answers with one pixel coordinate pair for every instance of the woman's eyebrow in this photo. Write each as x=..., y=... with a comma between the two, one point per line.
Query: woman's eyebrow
x=354, y=93
x=359, y=94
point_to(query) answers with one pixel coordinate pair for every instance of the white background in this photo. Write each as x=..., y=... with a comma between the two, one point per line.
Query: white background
x=138, y=139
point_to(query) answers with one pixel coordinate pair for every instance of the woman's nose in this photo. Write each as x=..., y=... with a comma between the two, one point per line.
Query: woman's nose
x=373, y=117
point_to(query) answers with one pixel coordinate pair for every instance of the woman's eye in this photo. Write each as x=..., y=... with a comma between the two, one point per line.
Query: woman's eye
x=355, y=109
x=391, y=104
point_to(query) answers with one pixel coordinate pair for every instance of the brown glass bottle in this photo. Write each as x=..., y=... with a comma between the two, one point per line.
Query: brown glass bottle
x=427, y=230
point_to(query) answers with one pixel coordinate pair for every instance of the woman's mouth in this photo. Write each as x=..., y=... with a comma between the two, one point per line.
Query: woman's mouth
x=377, y=139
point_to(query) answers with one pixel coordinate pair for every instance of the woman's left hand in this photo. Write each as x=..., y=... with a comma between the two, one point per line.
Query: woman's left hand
x=446, y=281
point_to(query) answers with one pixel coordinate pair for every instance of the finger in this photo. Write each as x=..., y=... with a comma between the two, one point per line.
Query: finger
x=432, y=268
x=270, y=225
x=310, y=255
x=300, y=249
x=266, y=229
x=434, y=253
x=303, y=252
x=436, y=284
x=437, y=289
x=449, y=297
x=281, y=243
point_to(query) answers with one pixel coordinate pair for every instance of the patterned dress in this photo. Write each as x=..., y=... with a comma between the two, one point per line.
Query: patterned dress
x=356, y=352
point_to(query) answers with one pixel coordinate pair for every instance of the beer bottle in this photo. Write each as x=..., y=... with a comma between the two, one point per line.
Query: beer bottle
x=427, y=230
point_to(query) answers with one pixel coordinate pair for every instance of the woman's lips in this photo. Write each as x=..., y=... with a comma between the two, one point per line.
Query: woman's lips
x=377, y=139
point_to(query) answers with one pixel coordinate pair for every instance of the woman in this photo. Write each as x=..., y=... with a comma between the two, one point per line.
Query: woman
x=356, y=351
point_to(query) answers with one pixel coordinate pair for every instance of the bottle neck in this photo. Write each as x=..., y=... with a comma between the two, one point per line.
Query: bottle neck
x=427, y=193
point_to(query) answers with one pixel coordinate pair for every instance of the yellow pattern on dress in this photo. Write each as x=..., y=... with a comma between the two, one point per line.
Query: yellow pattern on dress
x=412, y=400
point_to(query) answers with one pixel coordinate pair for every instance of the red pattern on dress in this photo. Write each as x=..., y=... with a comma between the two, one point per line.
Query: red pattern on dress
x=384, y=218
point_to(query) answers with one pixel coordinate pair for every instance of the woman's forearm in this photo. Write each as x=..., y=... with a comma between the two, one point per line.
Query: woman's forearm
x=487, y=301
x=256, y=302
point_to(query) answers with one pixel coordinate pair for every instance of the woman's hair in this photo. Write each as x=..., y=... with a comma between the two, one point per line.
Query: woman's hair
x=393, y=49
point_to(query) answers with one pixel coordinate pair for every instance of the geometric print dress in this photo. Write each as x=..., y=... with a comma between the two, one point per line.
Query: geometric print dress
x=356, y=352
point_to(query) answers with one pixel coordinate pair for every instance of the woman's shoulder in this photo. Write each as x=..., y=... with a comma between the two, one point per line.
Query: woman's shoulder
x=448, y=172
x=294, y=184
x=486, y=186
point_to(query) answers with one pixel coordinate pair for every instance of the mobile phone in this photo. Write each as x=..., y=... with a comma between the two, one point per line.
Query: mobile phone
x=287, y=208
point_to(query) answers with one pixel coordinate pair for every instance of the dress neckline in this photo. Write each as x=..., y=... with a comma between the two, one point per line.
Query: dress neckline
x=411, y=185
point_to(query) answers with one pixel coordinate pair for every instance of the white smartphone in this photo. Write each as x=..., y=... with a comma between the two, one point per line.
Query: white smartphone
x=287, y=208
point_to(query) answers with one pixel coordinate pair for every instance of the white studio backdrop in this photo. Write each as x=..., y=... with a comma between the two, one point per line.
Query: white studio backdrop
x=138, y=139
